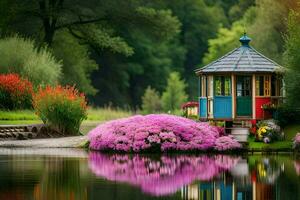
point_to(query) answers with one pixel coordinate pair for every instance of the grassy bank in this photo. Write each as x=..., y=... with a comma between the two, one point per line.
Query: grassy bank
x=106, y=114
x=18, y=117
x=289, y=131
x=95, y=117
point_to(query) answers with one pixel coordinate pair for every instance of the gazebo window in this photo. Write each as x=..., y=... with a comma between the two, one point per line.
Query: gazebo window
x=263, y=85
x=222, y=86
x=276, y=85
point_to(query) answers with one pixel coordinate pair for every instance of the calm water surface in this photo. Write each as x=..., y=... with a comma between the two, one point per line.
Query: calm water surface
x=67, y=174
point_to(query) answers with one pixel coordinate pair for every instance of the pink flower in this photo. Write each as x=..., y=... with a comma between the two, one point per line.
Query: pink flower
x=296, y=142
x=154, y=139
x=297, y=167
x=226, y=142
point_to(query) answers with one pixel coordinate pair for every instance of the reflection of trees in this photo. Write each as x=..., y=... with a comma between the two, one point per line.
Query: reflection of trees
x=163, y=176
x=37, y=177
x=61, y=180
x=14, y=173
x=288, y=184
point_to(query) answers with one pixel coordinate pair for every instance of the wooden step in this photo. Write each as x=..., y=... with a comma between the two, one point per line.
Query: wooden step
x=242, y=124
x=240, y=133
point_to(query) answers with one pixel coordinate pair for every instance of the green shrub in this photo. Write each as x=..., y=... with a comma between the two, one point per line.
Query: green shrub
x=21, y=56
x=174, y=94
x=286, y=115
x=62, y=108
x=151, y=102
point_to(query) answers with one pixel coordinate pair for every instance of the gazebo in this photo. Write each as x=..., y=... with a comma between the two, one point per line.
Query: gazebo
x=238, y=85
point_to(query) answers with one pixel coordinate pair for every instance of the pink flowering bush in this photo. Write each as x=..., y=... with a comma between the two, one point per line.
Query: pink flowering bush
x=296, y=142
x=159, y=132
x=163, y=176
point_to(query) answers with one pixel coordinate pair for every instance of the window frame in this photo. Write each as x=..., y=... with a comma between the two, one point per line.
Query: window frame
x=276, y=81
x=243, y=90
x=223, y=79
x=267, y=90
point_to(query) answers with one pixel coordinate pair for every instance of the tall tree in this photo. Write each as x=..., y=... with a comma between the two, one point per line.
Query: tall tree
x=200, y=22
x=101, y=27
x=76, y=61
x=226, y=40
x=269, y=26
x=292, y=60
x=233, y=9
x=265, y=23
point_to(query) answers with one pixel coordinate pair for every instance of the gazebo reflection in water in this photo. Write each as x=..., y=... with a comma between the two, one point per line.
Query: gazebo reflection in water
x=238, y=184
x=219, y=190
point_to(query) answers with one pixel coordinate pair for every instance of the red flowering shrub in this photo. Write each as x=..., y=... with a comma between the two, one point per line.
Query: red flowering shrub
x=15, y=92
x=62, y=108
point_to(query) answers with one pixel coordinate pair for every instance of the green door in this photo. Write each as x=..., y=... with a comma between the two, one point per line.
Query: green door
x=243, y=96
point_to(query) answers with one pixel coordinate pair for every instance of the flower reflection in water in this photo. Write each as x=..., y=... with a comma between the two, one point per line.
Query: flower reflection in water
x=162, y=176
x=268, y=170
x=297, y=167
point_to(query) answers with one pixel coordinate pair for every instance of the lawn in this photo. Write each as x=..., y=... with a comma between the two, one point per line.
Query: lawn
x=95, y=117
x=290, y=132
x=18, y=115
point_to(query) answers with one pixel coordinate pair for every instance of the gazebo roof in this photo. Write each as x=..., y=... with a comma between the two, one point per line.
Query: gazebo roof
x=242, y=60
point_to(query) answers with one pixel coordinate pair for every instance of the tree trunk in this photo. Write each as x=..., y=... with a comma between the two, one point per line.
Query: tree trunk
x=47, y=7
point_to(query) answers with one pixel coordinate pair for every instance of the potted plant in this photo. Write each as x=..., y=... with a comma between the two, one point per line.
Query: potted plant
x=268, y=110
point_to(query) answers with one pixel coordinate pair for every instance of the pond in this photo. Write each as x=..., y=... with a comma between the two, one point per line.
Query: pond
x=64, y=174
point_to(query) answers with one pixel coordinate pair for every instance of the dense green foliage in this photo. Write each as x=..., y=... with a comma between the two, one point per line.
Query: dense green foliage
x=225, y=42
x=287, y=115
x=19, y=55
x=113, y=50
x=151, y=101
x=290, y=111
x=174, y=95
x=268, y=25
x=76, y=61
x=292, y=58
x=265, y=23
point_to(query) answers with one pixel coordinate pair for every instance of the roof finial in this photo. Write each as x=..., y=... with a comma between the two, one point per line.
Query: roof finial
x=245, y=39
x=244, y=28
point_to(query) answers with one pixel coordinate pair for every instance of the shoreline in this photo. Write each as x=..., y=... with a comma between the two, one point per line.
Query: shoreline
x=62, y=142
x=80, y=142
